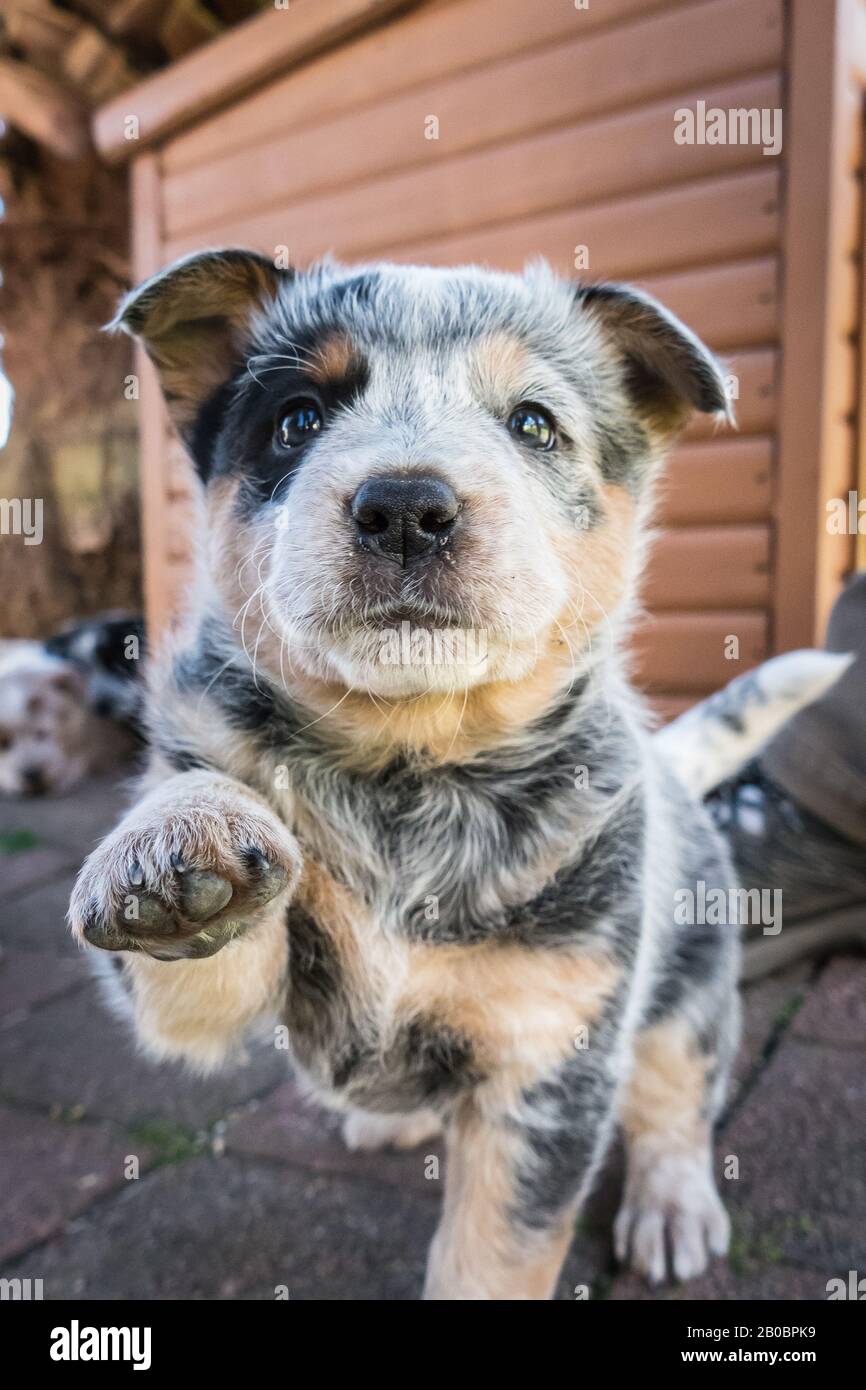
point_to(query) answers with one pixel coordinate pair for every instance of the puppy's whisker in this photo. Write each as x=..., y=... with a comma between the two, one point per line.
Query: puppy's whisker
x=335, y=706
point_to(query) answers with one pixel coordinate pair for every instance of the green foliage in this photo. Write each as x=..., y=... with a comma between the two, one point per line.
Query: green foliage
x=16, y=841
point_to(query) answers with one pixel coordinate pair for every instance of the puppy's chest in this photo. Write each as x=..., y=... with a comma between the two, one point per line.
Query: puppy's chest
x=382, y=1022
x=439, y=937
x=446, y=866
x=438, y=862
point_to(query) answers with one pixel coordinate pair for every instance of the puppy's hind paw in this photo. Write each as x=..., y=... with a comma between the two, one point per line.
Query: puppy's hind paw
x=671, y=1221
x=366, y=1133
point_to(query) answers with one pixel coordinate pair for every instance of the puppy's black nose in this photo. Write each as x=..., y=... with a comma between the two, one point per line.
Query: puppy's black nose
x=404, y=519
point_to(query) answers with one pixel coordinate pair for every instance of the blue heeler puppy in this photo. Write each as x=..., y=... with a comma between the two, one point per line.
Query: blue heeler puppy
x=451, y=874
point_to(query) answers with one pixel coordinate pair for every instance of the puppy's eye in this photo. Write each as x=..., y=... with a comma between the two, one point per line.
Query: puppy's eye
x=301, y=421
x=5, y=743
x=533, y=427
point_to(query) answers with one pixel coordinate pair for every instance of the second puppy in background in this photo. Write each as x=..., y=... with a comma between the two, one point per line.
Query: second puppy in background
x=70, y=707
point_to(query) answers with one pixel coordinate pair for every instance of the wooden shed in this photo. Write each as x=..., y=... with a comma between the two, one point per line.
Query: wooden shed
x=496, y=130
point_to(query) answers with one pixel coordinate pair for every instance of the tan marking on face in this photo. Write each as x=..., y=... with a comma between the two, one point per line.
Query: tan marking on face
x=666, y=1093
x=520, y=1008
x=498, y=364
x=599, y=563
x=333, y=359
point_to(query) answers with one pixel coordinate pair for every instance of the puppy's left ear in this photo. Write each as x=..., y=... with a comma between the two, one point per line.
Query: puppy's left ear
x=194, y=319
x=667, y=370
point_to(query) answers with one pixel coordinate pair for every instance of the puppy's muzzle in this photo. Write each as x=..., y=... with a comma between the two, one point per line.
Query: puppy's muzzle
x=405, y=519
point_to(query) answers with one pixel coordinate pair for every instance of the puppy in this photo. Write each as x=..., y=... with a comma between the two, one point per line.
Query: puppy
x=50, y=735
x=402, y=800
x=108, y=650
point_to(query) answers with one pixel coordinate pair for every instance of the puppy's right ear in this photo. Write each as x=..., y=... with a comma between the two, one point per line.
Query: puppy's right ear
x=194, y=319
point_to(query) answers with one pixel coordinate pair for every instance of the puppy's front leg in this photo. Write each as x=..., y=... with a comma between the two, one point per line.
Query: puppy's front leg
x=200, y=864
x=517, y=1173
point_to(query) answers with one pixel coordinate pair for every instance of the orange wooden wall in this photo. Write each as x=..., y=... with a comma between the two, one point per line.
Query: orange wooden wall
x=555, y=132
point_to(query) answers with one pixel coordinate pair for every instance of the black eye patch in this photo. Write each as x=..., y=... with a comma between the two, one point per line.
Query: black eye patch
x=261, y=425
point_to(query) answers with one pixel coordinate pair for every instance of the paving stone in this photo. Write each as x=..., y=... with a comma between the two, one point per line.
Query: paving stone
x=825, y=1246
x=227, y=1228
x=723, y=1284
x=72, y=1053
x=37, y=918
x=289, y=1129
x=31, y=868
x=800, y=1138
x=75, y=820
x=29, y=978
x=237, y=1229
x=50, y=1171
x=766, y=1005
x=288, y=1205
x=835, y=1011
x=832, y=1244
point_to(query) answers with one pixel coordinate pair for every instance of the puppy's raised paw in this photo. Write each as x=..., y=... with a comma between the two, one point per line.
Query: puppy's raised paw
x=183, y=876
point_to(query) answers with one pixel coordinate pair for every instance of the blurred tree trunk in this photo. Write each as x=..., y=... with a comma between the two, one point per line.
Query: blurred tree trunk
x=72, y=443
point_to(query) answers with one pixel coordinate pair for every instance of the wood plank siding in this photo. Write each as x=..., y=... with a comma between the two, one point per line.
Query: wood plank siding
x=556, y=137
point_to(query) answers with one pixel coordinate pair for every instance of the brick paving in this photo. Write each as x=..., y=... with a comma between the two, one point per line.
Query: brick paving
x=122, y=1180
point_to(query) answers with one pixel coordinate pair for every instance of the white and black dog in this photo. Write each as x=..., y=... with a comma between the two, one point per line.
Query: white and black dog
x=109, y=650
x=401, y=797
x=69, y=706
